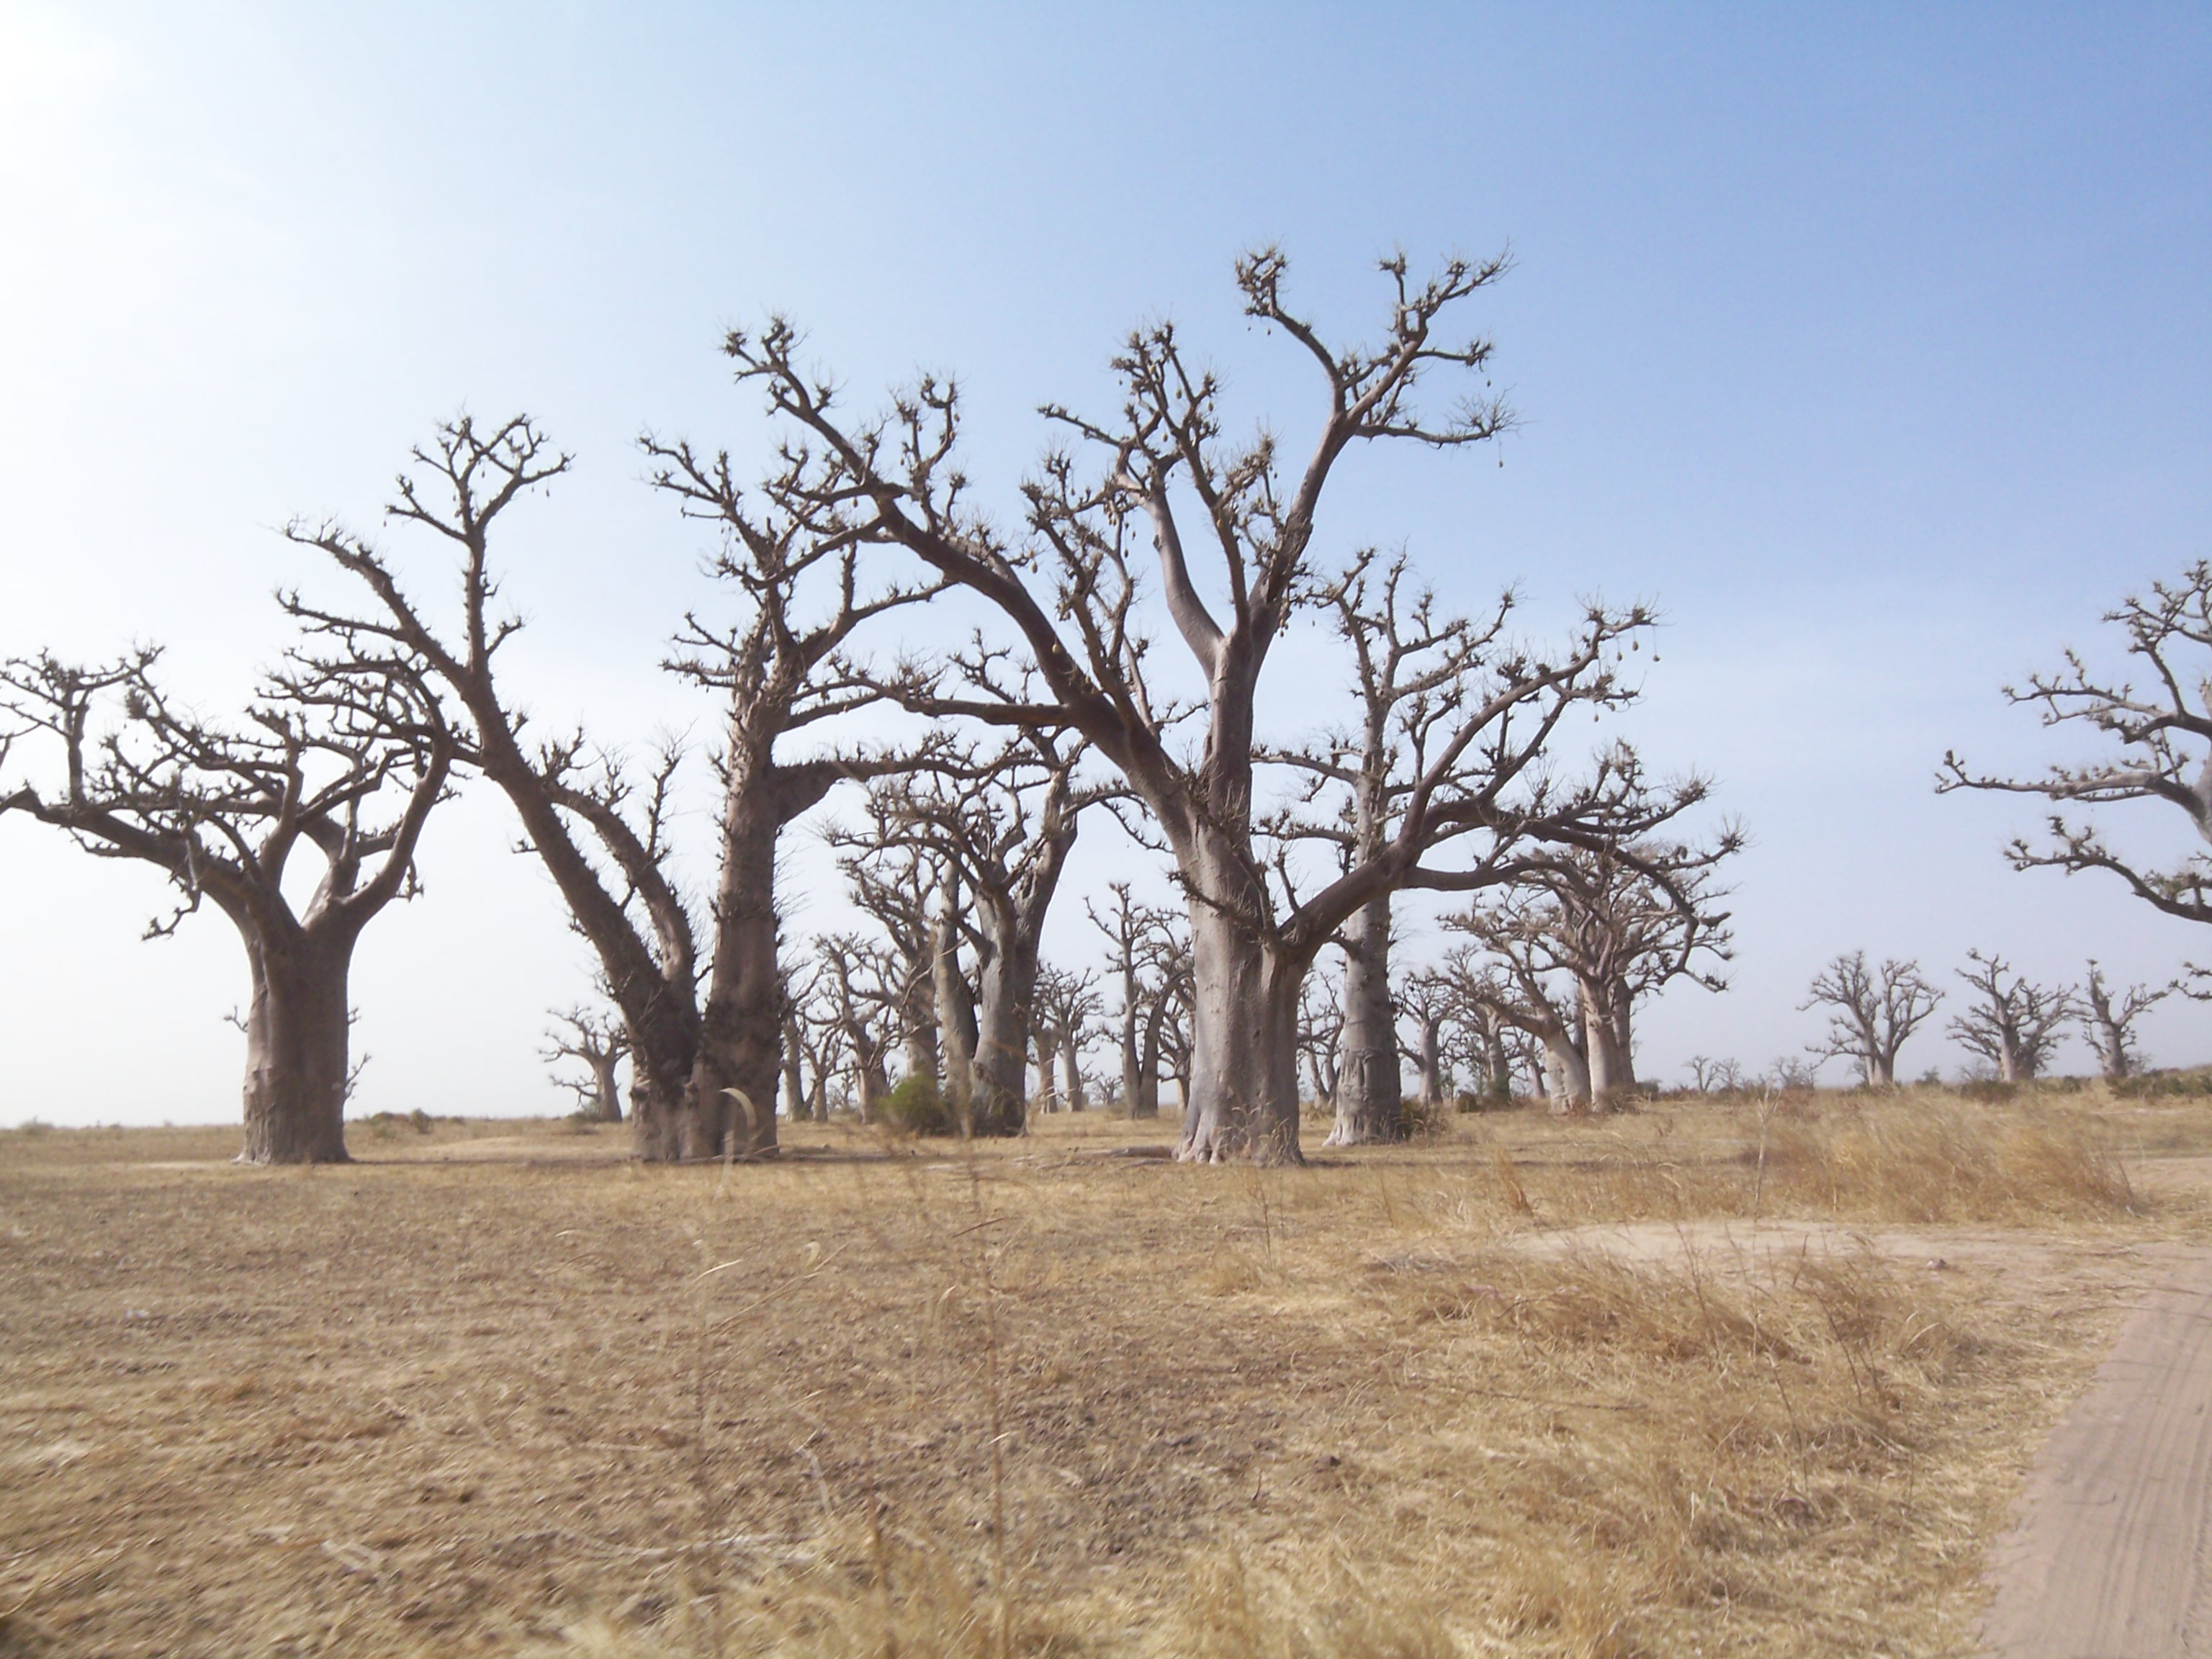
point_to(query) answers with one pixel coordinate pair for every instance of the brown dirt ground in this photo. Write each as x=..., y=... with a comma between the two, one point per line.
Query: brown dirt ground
x=1530, y=1387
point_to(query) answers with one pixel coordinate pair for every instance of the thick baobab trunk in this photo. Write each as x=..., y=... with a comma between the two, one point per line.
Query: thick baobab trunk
x=731, y=1105
x=1243, y=1096
x=1881, y=1069
x=1368, y=1105
x=999, y=1106
x=1566, y=1072
x=955, y=1017
x=296, y=1051
x=662, y=1048
x=1610, y=1076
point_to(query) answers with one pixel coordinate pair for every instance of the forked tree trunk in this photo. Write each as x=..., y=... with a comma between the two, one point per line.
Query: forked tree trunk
x=1243, y=1100
x=606, y=1093
x=1369, y=1103
x=741, y=1021
x=1881, y=1067
x=297, y=1050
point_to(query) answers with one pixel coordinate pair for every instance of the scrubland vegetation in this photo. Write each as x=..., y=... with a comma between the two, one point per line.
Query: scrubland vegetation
x=1726, y=1375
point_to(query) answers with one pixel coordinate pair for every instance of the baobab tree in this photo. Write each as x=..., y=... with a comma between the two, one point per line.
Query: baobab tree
x=345, y=756
x=1166, y=988
x=1320, y=1035
x=1414, y=669
x=588, y=1035
x=1127, y=925
x=1871, y=1013
x=1481, y=785
x=2012, y=1024
x=892, y=879
x=1619, y=922
x=696, y=1060
x=1006, y=823
x=1627, y=922
x=788, y=550
x=1065, y=1006
x=1512, y=969
x=2163, y=737
x=857, y=986
x=1427, y=1001
x=601, y=837
x=2109, y=1022
x=1481, y=1043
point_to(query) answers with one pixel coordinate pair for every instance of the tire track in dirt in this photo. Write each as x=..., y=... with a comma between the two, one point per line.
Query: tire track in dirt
x=2108, y=1559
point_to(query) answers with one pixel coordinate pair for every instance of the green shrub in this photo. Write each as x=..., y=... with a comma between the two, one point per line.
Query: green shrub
x=916, y=1108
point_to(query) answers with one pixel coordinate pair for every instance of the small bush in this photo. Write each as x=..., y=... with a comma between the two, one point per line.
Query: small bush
x=916, y=1108
x=1420, y=1119
x=2153, y=1086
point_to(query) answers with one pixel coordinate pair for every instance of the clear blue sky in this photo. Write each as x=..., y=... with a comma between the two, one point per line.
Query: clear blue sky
x=1873, y=344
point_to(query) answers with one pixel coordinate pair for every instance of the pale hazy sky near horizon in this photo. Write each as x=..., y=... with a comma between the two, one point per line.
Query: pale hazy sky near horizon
x=1872, y=344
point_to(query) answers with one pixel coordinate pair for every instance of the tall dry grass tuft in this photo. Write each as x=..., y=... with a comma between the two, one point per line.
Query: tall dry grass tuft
x=1228, y=1611
x=1920, y=1162
x=1694, y=1433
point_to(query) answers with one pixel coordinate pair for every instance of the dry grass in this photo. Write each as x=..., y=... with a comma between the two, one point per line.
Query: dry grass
x=493, y=1390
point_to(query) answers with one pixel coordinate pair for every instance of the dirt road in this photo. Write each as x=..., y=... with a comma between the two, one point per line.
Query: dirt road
x=2109, y=1557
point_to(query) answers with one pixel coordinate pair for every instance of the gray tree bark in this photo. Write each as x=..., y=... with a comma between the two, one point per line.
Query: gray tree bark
x=1369, y=1103
x=795, y=1091
x=955, y=1009
x=999, y=1096
x=297, y=1027
x=1243, y=1099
